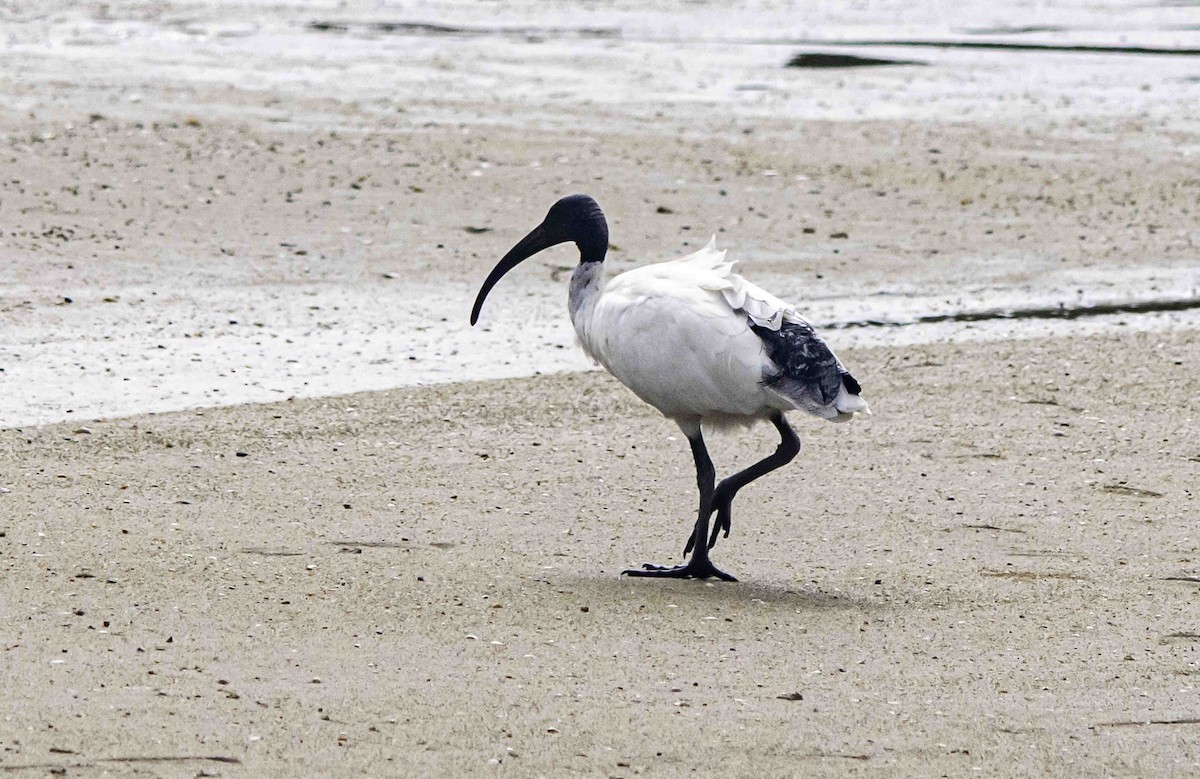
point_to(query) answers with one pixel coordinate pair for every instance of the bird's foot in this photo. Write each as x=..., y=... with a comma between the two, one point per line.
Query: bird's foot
x=694, y=569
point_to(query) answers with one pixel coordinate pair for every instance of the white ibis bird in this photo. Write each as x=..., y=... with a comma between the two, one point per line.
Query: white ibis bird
x=700, y=344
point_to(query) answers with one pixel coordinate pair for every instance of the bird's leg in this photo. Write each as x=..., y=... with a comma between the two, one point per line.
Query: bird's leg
x=789, y=447
x=699, y=566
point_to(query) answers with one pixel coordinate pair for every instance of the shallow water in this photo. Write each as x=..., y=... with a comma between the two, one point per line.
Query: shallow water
x=596, y=66
x=367, y=339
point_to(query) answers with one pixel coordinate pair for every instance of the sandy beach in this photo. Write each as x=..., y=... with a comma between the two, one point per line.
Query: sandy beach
x=269, y=507
x=997, y=573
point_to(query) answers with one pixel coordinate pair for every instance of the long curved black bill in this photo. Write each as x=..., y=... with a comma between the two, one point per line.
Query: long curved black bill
x=538, y=239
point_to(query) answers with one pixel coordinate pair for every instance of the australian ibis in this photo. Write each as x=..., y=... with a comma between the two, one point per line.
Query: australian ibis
x=700, y=344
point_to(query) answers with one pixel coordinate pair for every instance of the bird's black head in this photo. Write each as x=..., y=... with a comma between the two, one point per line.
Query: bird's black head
x=576, y=218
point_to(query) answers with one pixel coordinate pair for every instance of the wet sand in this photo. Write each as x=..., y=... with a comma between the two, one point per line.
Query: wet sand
x=997, y=573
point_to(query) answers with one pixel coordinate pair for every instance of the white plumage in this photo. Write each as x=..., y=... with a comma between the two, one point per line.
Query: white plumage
x=700, y=344
x=678, y=334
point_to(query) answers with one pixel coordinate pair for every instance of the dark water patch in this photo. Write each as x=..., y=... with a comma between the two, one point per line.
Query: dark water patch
x=999, y=46
x=1060, y=311
x=817, y=60
x=433, y=29
x=1017, y=30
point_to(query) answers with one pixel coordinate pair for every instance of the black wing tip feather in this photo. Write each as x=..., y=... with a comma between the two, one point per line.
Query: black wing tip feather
x=803, y=359
x=851, y=384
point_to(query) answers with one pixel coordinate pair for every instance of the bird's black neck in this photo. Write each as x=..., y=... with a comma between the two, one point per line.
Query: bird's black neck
x=591, y=235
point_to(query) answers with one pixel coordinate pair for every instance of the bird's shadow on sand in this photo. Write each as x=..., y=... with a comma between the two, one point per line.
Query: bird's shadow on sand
x=793, y=595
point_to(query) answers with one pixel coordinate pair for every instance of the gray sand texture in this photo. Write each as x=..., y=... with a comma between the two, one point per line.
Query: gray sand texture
x=270, y=507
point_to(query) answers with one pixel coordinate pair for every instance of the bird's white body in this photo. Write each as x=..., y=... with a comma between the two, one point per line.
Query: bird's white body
x=679, y=335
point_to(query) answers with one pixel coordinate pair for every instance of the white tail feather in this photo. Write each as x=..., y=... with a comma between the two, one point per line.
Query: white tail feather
x=763, y=308
x=848, y=405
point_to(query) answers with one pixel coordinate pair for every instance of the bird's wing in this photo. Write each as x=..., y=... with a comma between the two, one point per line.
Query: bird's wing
x=713, y=272
x=805, y=363
x=677, y=344
x=806, y=369
x=693, y=336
